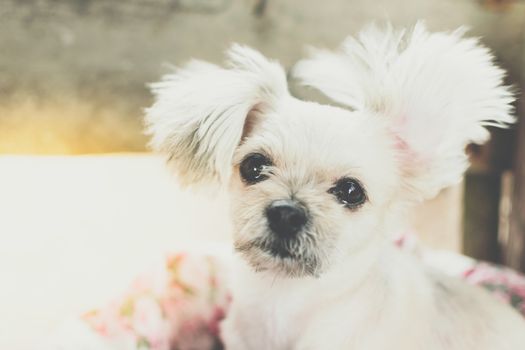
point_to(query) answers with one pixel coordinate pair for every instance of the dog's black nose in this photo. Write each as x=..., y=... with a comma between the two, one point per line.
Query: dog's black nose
x=285, y=218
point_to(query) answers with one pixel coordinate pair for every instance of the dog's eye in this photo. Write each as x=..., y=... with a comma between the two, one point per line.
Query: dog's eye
x=252, y=167
x=349, y=192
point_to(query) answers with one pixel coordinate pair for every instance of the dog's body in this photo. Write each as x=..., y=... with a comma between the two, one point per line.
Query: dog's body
x=316, y=190
x=398, y=304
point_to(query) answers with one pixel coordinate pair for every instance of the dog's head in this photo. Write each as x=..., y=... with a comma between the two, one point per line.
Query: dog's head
x=311, y=183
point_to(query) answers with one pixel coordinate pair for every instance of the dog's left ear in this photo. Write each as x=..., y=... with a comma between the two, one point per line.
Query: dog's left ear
x=201, y=111
x=435, y=92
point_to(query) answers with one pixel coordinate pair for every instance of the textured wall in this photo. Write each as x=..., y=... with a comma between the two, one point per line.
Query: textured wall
x=73, y=72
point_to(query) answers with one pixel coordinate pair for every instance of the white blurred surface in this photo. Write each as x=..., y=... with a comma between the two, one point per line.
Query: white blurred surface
x=75, y=230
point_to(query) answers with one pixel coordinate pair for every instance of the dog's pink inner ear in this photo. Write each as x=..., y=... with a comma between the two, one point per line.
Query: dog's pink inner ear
x=411, y=146
x=252, y=119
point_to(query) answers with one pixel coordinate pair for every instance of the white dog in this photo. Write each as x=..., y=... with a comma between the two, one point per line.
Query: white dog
x=317, y=190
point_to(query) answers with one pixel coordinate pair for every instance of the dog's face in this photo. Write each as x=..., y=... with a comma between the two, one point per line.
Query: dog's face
x=312, y=183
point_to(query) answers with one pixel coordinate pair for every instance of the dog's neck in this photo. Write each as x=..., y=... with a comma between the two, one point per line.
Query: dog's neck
x=271, y=303
x=349, y=272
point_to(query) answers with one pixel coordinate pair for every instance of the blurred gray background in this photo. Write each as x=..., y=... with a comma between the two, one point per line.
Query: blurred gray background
x=73, y=73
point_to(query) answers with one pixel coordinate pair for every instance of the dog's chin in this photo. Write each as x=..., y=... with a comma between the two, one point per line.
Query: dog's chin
x=279, y=258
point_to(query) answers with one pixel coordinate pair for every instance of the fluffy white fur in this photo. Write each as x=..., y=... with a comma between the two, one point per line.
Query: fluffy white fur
x=417, y=100
x=200, y=111
x=438, y=91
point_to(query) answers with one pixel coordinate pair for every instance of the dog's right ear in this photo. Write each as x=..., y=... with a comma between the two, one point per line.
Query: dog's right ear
x=434, y=93
x=201, y=112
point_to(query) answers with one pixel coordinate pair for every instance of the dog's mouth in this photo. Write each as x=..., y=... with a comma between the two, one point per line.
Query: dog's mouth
x=287, y=257
x=278, y=249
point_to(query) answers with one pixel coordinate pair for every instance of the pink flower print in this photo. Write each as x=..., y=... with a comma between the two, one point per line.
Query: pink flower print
x=149, y=323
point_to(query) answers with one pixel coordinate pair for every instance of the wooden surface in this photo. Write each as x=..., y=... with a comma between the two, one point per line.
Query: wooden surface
x=514, y=252
x=480, y=223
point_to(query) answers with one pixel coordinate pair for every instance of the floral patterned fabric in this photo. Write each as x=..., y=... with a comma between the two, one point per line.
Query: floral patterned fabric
x=179, y=306
x=504, y=283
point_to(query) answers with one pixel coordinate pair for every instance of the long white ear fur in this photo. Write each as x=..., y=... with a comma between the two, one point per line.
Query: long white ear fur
x=436, y=91
x=199, y=112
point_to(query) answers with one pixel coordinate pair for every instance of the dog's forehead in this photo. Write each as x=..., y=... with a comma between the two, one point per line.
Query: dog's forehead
x=326, y=143
x=329, y=135
x=323, y=140
x=325, y=124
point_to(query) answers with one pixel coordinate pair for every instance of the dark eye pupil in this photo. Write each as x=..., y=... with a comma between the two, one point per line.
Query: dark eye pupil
x=349, y=192
x=252, y=167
